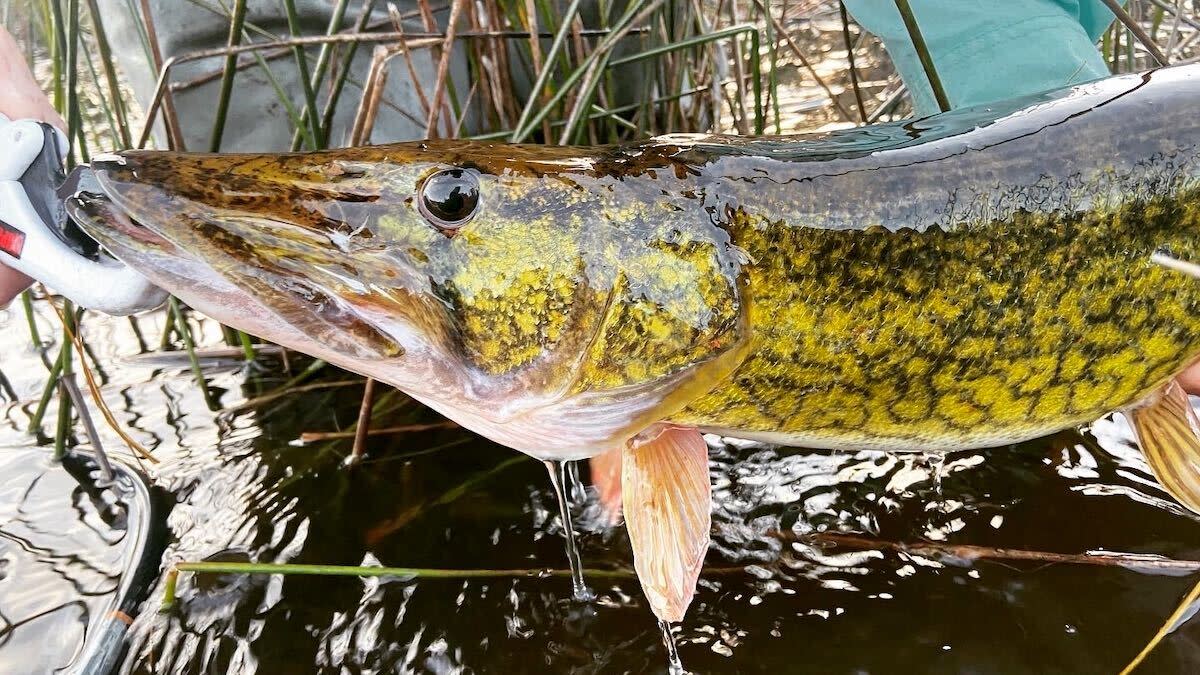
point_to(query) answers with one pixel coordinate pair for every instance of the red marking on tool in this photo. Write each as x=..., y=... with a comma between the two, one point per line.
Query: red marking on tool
x=12, y=240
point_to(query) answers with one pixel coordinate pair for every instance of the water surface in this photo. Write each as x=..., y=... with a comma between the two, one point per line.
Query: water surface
x=772, y=600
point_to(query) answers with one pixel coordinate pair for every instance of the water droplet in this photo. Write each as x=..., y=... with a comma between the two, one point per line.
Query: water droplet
x=935, y=461
x=558, y=478
x=578, y=493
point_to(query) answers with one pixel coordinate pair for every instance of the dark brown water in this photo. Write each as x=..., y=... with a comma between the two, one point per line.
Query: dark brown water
x=770, y=601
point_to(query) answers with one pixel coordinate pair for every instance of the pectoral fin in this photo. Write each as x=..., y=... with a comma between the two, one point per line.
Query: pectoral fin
x=1169, y=434
x=668, y=503
x=606, y=476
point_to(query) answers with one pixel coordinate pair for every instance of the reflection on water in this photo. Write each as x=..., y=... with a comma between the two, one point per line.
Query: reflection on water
x=775, y=597
x=66, y=538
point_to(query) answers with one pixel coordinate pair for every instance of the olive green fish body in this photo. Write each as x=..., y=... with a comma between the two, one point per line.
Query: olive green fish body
x=985, y=286
x=975, y=278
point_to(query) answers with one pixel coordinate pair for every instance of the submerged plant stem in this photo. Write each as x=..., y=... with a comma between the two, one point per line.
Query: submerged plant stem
x=316, y=436
x=286, y=391
x=970, y=552
x=172, y=578
x=72, y=334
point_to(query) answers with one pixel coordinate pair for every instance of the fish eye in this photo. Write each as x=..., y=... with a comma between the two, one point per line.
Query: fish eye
x=449, y=198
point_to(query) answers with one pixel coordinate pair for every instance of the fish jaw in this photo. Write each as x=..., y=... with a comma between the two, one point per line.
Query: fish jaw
x=171, y=267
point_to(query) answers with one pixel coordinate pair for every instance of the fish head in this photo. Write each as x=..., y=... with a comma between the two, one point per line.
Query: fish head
x=517, y=289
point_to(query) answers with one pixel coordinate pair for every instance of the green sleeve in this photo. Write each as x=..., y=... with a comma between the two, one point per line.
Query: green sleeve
x=987, y=50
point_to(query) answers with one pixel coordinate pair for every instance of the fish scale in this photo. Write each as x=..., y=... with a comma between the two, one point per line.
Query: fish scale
x=1065, y=316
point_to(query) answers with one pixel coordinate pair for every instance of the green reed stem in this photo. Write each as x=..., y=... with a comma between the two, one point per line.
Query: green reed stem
x=596, y=61
x=247, y=345
x=755, y=61
x=288, y=106
x=309, y=115
x=105, y=106
x=34, y=334
x=236, y=24
x=772, y=66
x=110, y=74
x=171, y=583
x=524, y=125
x=69, y=101
x=310, y=95
x=73, y=117
x=168, y=326
x=918, y=40
x=629, y=107
x=312, y=369
x=185, y=331
x=63, y=430
x=58, y=55
x=339, y=84
x=35, y=422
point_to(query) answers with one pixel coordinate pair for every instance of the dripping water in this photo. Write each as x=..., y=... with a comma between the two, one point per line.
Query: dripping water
x=674, y=665
x=935, y=463
x=578, y=493
x=558, y=478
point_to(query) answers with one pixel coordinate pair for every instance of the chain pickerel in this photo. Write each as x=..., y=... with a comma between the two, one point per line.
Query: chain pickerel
x=968, y=280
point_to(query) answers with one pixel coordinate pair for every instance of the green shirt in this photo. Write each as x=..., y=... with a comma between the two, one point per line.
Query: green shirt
x=988, y=50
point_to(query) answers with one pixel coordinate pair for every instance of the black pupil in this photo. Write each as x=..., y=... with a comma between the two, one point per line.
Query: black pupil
x=451, y=196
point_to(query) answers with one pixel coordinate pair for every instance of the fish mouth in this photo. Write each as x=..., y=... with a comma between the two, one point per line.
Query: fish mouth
x=252, y=253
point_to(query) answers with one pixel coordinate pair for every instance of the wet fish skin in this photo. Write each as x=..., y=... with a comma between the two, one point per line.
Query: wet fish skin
x=977, y=289
x=977, y=278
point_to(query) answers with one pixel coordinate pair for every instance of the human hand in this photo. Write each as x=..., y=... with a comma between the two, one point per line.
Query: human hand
x=20, y=98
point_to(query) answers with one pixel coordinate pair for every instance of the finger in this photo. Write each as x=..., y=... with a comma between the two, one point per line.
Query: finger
x=12, y=283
